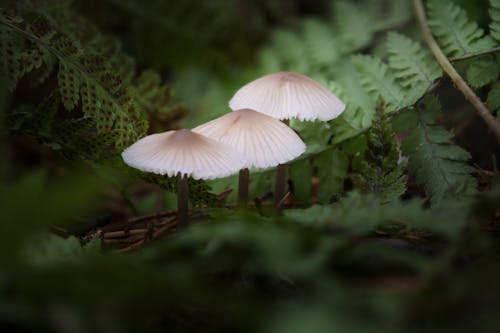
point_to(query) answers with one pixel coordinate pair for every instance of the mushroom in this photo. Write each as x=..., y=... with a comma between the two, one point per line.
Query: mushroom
x=286, y=95
x=263, y=140
x=183, y=153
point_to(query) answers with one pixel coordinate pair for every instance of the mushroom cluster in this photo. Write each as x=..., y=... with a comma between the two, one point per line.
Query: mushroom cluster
x=251, y=136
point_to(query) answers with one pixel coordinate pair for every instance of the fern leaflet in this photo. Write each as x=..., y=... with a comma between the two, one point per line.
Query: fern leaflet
x=412, y=64
x=439, y=166
x=380, y=173
x=455, y=33
x=379, y=81
x=495, y=19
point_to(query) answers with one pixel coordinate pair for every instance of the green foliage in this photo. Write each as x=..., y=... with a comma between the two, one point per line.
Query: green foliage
x=413, y=65
x=416, y=265
x=379, y=81
x=455, y=33
x=439, y=166
x=332, y=168
x=495, y=19
x=494, y=98
x=380, y=172
x=95, y=78
x=482, y=71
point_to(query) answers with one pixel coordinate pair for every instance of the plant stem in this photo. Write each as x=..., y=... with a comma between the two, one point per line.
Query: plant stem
x=475, y=54
x=458, y=81
x=182, y=200
x=279, y=185
x=243, y=187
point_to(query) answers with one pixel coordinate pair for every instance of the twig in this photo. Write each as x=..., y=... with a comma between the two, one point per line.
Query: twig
x=122, y=233
x=153, y=216
x=459, y=82
x=475, y=54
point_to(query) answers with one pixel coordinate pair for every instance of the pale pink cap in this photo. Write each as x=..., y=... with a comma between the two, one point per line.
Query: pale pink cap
x=186, y=152
x=285, y=95
x=263, y=140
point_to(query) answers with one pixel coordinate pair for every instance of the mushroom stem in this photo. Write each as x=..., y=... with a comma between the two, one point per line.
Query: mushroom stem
x=279, y=185
x=243, y=187
x=182, y=200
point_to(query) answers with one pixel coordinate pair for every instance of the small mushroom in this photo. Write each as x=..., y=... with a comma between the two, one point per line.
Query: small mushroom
x=286, y=95
x=263, y=140
x=183, y=153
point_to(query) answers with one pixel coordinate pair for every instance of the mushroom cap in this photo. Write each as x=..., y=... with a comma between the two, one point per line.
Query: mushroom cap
x=186, y=152
x=285, y=95
x=265, y=141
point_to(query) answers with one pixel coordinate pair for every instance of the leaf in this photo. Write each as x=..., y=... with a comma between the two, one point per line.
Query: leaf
x=439, y=166
x=494, y=97
x=10, y=67
x=354, y=25
x=380, y=172
x=455, y=33
x=332, y=167
x=301, y=175
x=482, y=71
x=412, y=65
x=69, y=86
x=319, y=41
x=495, y=19
x=47, y=250
x=379, y=81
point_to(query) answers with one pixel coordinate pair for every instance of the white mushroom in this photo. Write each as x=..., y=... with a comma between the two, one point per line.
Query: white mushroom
x=263, y=140
x=183, y=153
x=286, y=95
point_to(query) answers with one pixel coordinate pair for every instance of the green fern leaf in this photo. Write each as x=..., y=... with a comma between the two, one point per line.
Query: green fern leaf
x=380, y=172
x=290, y=51
x=439, y=166
x=354, y=26
x=319, y=41
x=494, y=98
x=379, y=81
x=10, y=67
x=300, y=173
x=332, y=168
x=482, y=71
x=495, y=19
x=412, y=65
x=455, y=33
x=69, y=85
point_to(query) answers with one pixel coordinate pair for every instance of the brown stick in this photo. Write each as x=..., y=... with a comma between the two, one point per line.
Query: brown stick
x=459, y=82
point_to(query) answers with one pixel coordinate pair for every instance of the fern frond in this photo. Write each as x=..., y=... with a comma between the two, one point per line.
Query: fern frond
x=439, y=166
x=320, y=42
x=380, y=173
x=455, y=33
x=494, y=98
x=482, y=71
x=290, y=50
x=10, y=57
x=354, y=25
x=411, y=63
x=332, y=165
x=300, y=172
x=69, y=85
x=379, y=81
x=495, y=19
